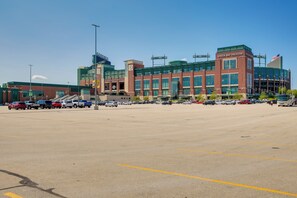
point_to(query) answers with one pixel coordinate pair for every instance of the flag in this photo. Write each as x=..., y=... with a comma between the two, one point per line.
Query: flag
x=275, y=57
x=39, y=77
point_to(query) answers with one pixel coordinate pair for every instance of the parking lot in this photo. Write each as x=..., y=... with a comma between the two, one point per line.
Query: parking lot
x=149, y=151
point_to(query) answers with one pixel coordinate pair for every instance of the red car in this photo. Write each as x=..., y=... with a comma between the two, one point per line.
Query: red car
x=17, y=105
x=57, y=105
x=245, y=102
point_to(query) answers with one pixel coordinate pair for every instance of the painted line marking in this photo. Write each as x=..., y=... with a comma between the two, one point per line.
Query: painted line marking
x=238, y=155
x=209, y=180
x=12, y=195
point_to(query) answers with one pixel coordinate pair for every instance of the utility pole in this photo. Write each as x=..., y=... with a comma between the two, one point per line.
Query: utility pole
x=96, y=96
x=30, y=90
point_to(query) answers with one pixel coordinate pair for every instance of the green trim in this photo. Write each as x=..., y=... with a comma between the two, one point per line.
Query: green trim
x=45, y=85
x=234, y=48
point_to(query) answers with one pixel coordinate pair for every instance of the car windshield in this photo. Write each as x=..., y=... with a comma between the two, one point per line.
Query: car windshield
x=48, y=102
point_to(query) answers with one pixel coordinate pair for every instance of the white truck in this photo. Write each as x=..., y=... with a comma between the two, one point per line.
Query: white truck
x=77, y=103
x=66, y=104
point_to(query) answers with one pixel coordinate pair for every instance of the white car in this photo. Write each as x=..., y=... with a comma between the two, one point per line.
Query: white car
x=67, y=104
x=76, y=104
x=127, y=103
x=111, y=104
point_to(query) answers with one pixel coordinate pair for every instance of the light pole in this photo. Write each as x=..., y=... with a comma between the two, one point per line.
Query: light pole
x=30, y=90
x=96, y=96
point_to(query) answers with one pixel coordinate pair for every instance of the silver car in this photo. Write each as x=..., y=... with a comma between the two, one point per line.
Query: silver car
x=111, y=104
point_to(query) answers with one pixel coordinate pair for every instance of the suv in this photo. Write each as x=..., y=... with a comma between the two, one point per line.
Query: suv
x=245, y=102
x=86, y=103
x=44, y=104
x=67, y=103
x=17, y=105
x=77, y=103
x=31, y=104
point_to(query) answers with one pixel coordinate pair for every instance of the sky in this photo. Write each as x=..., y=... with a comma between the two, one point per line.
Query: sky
x=56, y=36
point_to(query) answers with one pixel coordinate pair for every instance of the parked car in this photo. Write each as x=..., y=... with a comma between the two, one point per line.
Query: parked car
x=17, y=105
x=127, y=103
x=77, y=103
x=245, y=102
x=187, y=102
x=219, y=102
x=31, y=104
x=209, y=102
x=230, y=102
x=86, y=103
x=111, y=104
x=57, y=105
x=101, y=103
x=67, y=104
x=167, y=103
x=45, y=104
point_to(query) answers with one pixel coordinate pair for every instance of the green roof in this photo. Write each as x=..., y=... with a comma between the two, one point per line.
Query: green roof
x=44, y=84
x=234, y=48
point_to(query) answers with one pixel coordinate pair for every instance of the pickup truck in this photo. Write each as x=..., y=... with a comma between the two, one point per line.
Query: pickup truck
x=31, y=104
x=66, y=104
x=77, y=103
x=86, y=103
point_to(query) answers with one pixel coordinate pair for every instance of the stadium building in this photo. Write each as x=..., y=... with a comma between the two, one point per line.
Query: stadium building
x=231, y=72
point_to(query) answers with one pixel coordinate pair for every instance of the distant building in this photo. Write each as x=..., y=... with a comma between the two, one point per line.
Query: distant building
x=19, y=91
x=231, y=72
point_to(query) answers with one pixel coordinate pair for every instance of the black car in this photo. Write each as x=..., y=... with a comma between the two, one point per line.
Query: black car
x=209, y=102
x=44, y=104
x=166, y=103
x=101, y=103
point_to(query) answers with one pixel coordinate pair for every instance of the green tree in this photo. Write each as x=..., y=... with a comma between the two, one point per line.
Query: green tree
x=237, y=96
x=282, y=90
x=146, y=98
x=294, y=92
x=135, y=98
x=213, y=95
x=263, y=96
x=199, y=98
x=289, y=92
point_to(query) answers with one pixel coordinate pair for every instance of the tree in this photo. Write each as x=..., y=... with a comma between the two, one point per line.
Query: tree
x=199, y=98
x=237, y=96
x=213, y=95
x=146, y=98
x=289, y=92
x=282, y=90
x=294, y=93
x=263, y=96
x=135, y=98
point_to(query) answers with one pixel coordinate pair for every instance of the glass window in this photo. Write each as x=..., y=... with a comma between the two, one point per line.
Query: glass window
x=166, y=71
x=155, y=83
x=249, y=63
x=186, y=81
x=157, y=72
x=233, y=78
x=225, y=79
x=198, y=81
x=209, y=80
x=156, y=92
x=230, y=64
x=176, y=71
x=146, y=73
x=210, y=67
x=186, y=91
x=146, y=92
x=165, y=83
x=146, y=84
x=209, y=90
x=165, y=92
x=187, y=68
x=197, y=91
x=137, y=84
x=137, y=92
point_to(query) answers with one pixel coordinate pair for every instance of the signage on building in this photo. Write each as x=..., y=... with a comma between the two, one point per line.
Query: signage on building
x=228, y=55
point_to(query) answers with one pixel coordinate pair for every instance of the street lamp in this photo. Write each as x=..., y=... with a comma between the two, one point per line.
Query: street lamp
x=30, y=90
x=96, y=96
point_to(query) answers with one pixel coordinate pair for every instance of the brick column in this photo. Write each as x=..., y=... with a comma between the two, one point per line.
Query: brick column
x=160, y=85
x=151, y=85
x=118, y=86
x=180, y=91
x=192, y=92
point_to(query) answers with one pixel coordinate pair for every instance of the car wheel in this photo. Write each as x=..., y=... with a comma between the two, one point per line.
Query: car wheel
x=74, y=106
x=16, y=108
x=9, y=108
x=29, y=107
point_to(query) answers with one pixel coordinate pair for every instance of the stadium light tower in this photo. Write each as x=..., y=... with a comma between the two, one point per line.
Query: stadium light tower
x=30, y=90
x=96, y=96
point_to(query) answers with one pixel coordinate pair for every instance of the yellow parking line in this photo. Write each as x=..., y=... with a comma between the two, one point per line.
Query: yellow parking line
x=210, y=180
x=238, y=155
x=12, y=195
